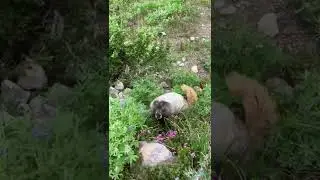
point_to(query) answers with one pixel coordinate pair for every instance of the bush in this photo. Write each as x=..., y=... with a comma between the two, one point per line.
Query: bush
x=125, y=121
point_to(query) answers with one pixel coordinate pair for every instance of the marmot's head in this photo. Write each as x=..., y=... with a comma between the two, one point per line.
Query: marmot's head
x=161, y=109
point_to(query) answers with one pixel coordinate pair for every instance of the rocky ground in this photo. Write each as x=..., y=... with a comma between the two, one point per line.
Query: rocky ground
x=26, y=95
x=273, y=18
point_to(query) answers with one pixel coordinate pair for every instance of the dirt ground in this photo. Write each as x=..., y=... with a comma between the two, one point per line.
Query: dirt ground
x=191, y=42
x=292, y=37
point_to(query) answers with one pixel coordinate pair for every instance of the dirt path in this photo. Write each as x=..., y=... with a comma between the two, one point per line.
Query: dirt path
x=291, y=36
x=191, y=43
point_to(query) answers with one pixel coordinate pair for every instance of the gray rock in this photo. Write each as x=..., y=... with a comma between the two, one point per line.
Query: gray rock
x=24, y=110
x=127, y=92
x=121, y=95
x=119, y=86
x=41, y=110
x=164, y=85
x=154, y=154
x=228, y=10
x=58, y=94
x=12, y=95
x=230, y=134
x=113, y=92
x=218, y=4
x=268, y=24
x=279, y=86
x=31, y=75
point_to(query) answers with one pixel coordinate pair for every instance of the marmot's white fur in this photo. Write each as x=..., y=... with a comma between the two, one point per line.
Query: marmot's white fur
x=168, y=104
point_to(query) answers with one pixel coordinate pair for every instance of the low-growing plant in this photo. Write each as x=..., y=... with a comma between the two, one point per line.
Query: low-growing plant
x=180, y=77
x=145, y=90
x=63, y=151
x=125, y=120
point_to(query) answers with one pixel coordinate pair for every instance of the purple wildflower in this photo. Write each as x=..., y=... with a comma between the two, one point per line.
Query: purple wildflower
x=171, y=134
x=160, y=138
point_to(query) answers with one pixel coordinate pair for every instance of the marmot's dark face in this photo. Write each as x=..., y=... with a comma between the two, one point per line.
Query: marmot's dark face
x=161, y=109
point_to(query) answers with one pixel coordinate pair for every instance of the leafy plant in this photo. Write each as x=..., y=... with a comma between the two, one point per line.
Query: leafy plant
x=145, y=90
x=124, y=121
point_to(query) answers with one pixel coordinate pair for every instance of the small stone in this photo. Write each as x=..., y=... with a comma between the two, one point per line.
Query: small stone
x=230, y=134
x=154, y=154
x=279, y=86
x=197, y=89
x=181, y=64
x=184, y=59
x=41, y=111
x=119, y=86
x=194, y=69
x=228, y=10
x=218, y=4
x=127, y=69
x=268, y=24
x=164, y=85
x=121, y=95
x=31, y=75
x=24, y=110
x=162, y=34
x=58, y=94
x=12, y=95
x=127, y=91
x=113, y=92
x=192, y=38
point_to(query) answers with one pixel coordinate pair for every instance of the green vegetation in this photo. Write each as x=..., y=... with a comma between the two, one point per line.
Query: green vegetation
x=143, y=57
x=122, y=140
x=74, y=148
x=292, y=150
x=309, y=13
x=193, y=129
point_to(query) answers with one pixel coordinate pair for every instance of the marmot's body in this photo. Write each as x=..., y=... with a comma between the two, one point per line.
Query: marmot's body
x=167, y=104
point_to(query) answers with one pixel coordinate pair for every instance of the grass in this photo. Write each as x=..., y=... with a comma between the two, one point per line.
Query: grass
x=149, y=58
x=292, y=149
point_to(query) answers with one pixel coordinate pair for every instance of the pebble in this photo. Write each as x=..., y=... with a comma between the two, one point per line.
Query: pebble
x=194, y=69
x=119, y=86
